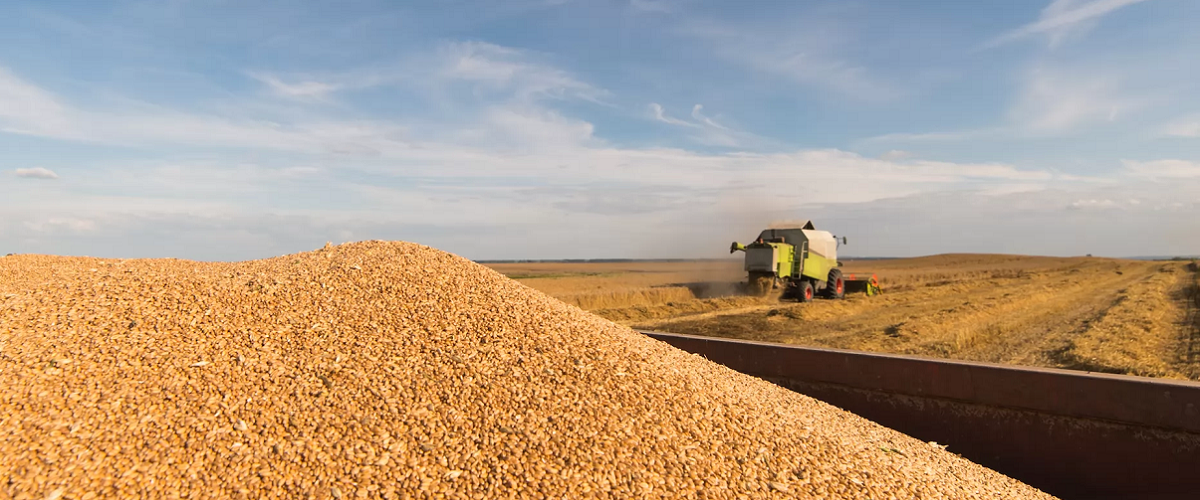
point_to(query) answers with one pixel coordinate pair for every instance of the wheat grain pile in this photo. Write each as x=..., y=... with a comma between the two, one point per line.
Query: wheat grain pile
x=392, y=370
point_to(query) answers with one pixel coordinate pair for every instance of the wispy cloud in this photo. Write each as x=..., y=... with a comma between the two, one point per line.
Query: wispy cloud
x=1163, y=169
x=704, y=119
x=700, y=119
x=26, y=108
x=307, y=89
x=513, y=70
x=1062, y=17
x=804, y=52
x=509, y=86
x=1185, y=127
x=29, y=110
x=35, y=173
x=1054, y=100
x=896, y=155
x=959, y=135
x=492, y=71
x=1093, y=204
x=706, y=130
x=661, y=115
x=60, y=224
x=531, y=128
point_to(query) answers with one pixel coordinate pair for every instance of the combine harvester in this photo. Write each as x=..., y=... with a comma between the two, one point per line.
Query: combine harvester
x=801, y=259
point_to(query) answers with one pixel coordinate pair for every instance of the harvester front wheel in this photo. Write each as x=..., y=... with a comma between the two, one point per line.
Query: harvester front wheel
x=805, y=291
x=836, y=286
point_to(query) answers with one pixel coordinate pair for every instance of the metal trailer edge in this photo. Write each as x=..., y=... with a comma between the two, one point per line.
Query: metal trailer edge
x=1072, y=434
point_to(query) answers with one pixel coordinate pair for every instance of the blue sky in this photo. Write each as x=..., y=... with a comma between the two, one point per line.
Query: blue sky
x=573, y=129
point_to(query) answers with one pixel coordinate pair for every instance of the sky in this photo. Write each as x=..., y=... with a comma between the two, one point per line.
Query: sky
x=546, y=129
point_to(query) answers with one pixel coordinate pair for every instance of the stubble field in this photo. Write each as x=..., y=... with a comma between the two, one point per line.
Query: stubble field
x=1095, y=314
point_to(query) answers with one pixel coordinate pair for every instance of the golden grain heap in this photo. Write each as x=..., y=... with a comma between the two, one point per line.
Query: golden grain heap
x=392, y=370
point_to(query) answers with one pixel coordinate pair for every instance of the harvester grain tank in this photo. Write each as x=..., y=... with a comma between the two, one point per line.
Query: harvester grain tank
x=798, y=257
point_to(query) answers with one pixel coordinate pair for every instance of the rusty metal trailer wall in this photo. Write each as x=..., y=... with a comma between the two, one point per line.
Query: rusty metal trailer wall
x=1072, y=434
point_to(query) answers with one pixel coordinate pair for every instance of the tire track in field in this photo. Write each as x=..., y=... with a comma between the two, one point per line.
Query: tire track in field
x=1013, y=320
x=1189, y=348
x=830, y=323
x=656, y=323
x=861, y=323
x=1032, y=334
x=965, y=323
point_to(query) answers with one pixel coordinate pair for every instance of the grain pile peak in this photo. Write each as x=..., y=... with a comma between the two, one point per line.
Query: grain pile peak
x=393, y=370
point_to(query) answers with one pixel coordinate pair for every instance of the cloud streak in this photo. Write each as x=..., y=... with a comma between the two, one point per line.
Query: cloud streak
x=805, y=53
x=26, y=108
x=707, y=131
x=513, y=70
x=515, y=86
x=1060, y=17
x=960, y=135
x=35, y=173
x=1187, y=127
x=299, y=90
x=704, y=119
x=1057, y=100
x=660, y=115
x=1163, y=169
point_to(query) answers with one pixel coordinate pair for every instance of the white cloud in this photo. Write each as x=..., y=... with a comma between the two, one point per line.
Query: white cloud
x=704, y=119
x=1061, y=17
x=516, y=85
x=895, y=155
x=35, y=173
x=1092, y=204
x=535, y=129
x=583, y=220
x=805, y=52
x=28, y=110
x=503, y=68
x=25, y=108
x=1187, y=127
x=1058, y=100
x=1068, y=221
x=298, y=90
x=813, y=69
x=61, y=224
x=660, y=115
x=1007, y=189
x=1162, y=169
x=707, y=131
x=934, y=136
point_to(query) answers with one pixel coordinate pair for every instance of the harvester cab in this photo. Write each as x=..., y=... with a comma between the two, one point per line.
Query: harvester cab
x=797, y=257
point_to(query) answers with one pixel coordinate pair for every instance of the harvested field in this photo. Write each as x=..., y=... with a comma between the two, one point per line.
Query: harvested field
x=621, y=285
x=1109, y=315
x=391, y=370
